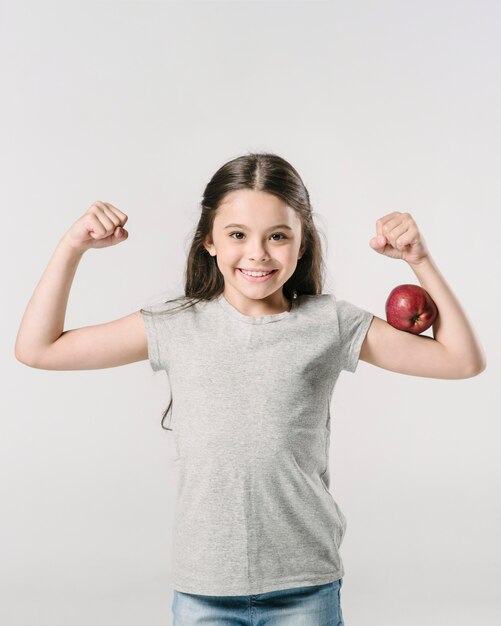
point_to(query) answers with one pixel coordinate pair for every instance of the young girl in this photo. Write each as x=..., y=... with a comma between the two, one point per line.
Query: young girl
x=252, y=353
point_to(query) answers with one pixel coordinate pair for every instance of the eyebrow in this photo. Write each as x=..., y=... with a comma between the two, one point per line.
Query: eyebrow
x=271, y=227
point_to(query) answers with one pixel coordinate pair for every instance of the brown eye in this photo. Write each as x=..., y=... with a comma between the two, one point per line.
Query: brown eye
x=236, y=232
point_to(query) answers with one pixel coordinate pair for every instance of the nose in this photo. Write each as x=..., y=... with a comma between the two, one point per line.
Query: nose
x=257, y=252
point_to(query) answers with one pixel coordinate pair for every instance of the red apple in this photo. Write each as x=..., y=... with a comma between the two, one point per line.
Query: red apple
x=410, y=308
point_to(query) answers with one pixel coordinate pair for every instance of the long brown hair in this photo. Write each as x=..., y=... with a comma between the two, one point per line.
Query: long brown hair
x=259, y=171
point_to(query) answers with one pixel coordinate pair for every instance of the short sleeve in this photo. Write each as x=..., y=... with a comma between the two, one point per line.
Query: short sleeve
x=353, y=323
x=156, y=333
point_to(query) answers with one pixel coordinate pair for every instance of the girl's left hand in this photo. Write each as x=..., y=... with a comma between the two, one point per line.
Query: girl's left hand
x=399, y=238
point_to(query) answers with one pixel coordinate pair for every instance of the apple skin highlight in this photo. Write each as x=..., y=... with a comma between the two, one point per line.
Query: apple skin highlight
x=410, y=308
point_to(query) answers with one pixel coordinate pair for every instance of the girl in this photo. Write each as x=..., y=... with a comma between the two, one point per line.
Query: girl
x=252, y=352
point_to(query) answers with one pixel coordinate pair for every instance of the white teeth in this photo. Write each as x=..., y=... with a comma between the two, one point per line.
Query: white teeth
x=256, y=273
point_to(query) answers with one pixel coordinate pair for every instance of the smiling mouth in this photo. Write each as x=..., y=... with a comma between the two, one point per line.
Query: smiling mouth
x=256, y=272
x=256, y=276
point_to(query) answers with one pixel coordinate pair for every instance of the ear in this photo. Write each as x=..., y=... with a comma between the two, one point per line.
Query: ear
x=209, y=246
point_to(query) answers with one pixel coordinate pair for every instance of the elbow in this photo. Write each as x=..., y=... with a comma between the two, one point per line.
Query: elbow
x=27, y=355
x=482, y=367
x=476, y=369
x=19, y=353
x=19, y=357
x=24, y=359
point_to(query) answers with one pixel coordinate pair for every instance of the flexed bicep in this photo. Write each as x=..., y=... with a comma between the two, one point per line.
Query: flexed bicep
x=406, y=353
x=100, y=346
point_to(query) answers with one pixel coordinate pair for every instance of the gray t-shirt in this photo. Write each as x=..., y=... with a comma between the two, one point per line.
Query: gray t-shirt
x=250, y=417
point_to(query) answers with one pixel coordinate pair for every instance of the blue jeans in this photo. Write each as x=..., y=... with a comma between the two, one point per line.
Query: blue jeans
x=317, y=605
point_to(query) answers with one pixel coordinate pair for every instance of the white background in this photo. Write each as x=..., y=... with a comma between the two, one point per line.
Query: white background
x=381, y=106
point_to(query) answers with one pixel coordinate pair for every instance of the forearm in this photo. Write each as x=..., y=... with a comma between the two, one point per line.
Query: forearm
x=43, y=319
x=451, y=327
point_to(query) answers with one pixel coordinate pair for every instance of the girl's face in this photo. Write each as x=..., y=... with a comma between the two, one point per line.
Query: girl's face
x=255, y=231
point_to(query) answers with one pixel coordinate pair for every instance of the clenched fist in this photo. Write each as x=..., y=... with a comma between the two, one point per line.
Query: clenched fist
x=398, y=237
x=101, y=226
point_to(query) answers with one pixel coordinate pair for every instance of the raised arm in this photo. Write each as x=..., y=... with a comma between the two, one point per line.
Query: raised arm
x=455, y=351
x=41, y=341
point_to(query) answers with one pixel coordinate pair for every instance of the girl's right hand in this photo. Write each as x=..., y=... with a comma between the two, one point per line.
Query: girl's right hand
x=100, y=227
